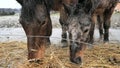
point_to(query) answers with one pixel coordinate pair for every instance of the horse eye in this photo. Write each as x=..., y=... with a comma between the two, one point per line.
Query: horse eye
x=86, y=31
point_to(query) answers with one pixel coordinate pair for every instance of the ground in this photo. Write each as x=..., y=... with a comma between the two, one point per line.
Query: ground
x=13, y=54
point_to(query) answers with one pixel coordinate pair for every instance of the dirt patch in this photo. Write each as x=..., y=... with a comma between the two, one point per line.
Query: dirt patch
x=14, y=55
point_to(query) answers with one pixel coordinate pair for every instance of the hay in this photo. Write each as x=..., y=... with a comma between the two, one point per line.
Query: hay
x=14, y=55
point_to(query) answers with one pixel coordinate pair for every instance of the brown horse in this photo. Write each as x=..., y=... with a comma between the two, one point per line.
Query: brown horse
x=101, y=12
x=36, y=22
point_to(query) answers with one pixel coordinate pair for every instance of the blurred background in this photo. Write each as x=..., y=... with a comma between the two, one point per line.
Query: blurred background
x=9, y=21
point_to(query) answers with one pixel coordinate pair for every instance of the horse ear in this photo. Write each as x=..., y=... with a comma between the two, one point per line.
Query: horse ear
x=67, y=9
x=20, y=2
x=81, y=1
x=77, y=7
x=89, y=5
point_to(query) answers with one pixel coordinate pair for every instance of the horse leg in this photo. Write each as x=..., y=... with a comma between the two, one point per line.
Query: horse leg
x=100, y=26
x=64, y=34
x=106, y=30
x=91, y=33
x=36, y=40
x=49, y=32
x=62, y=20
x=107, y=16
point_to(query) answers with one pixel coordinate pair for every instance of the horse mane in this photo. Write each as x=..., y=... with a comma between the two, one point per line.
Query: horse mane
x=20, y=1
x=81, y=1
x=49, y=4
x=29, y=7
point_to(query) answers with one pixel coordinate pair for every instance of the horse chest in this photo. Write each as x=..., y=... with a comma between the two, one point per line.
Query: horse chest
x=99, y=11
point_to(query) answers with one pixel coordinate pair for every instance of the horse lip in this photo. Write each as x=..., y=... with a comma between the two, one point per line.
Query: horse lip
x=76, y=60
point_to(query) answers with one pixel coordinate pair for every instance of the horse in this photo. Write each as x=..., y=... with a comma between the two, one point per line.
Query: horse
x=36, y=22
x=101, y=12
x=81, y=22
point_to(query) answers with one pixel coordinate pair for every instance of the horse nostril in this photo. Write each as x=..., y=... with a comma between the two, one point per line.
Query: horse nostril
x=77, y=60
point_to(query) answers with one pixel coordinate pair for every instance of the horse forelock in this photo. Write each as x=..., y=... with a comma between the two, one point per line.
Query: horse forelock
x=28, y=9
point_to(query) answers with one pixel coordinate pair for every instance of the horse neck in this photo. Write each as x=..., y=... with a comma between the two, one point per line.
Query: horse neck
x=56, y=4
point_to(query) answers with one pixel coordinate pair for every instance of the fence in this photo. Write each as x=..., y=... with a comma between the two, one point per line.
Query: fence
x=13, y=54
